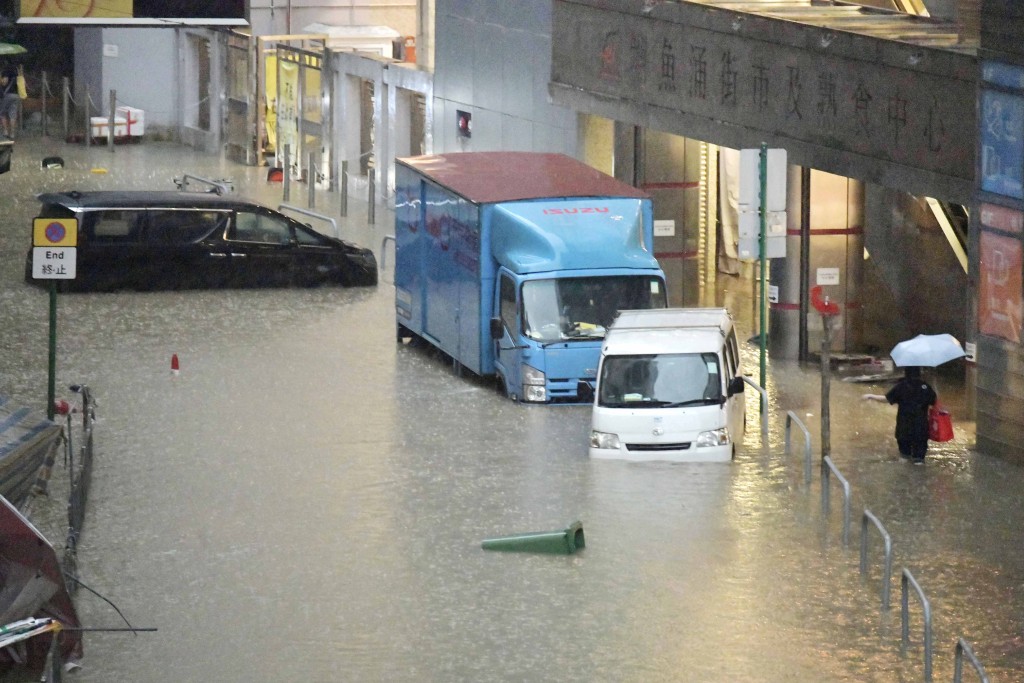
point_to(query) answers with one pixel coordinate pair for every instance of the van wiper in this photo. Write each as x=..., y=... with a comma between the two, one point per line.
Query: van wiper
x=691, y=402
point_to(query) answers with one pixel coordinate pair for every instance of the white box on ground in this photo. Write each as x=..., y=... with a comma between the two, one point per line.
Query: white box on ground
x=98, y=126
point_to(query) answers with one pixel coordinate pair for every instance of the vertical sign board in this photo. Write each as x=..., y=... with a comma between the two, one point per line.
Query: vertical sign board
x=749, y=247
x=54, y=242
x=1002, y=272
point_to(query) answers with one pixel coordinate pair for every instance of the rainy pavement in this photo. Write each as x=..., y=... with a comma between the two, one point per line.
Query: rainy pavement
x=306, y=499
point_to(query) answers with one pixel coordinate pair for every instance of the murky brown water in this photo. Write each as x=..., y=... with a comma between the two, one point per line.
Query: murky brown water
x=306, y=501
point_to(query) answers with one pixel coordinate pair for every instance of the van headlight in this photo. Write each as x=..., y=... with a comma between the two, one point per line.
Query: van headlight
x=534, y=382
x=716, y=437
x=604, y=440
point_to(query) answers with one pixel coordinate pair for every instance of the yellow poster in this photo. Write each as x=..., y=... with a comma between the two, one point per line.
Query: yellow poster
x=270, y=79
x=119, y=9
x=288, y=104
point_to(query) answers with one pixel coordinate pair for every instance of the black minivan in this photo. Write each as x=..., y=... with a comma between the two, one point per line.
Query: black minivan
x=149, y=240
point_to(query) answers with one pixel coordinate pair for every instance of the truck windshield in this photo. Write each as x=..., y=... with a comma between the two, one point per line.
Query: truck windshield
x=583, y=308
x=660, y=380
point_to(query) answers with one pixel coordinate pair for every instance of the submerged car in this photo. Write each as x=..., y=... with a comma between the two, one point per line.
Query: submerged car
x=183, y=240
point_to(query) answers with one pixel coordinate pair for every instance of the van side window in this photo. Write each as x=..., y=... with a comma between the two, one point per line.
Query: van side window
x=183, y=227
x=508, y=304
x=116, y=227
x=257, y=227
x=731, y=355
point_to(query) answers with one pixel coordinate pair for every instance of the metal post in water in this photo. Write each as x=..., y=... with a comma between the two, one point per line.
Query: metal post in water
x=311, y=175
x=287, y=166
x=371, y=206
x=88, y=119
x=344, y=188
x=65, y=104
x=110, y=130
x=826, y=380
x=45, y=89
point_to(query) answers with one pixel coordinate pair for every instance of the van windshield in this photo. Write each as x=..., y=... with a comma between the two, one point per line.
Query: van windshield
x=665, y=380
x=584, y=307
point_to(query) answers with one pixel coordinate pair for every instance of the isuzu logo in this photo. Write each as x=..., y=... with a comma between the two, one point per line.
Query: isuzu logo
x=584, y=209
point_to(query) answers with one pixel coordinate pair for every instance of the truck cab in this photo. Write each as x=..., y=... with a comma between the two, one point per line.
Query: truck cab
x=550, y=329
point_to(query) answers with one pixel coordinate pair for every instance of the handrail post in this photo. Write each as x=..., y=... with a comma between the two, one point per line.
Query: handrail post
x=764, y=401
x=828, y=466
x=88, y=119
x=287, y=172
x=113, y=117
x=44, y=92
x=311, y=175
x=66, y=103
x=887, y=566
x=371, y=206
x=791, y=417
x=908, y=579
x=383, y=251
x=343, y=182
x=963, y=649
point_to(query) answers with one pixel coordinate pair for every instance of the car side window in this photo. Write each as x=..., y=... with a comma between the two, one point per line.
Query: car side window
x=183, y=227
x=116, y=226
x=256, y=227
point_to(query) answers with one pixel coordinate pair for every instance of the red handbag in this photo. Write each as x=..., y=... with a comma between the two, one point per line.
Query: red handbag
x=940, y=424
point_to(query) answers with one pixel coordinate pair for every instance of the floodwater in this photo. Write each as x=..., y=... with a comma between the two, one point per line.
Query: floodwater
x=306, y=500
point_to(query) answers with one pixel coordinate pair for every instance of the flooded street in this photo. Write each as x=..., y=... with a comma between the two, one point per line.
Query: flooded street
x=306, y=500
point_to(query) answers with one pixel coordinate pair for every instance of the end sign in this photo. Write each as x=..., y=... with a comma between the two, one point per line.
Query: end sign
x=54, y=253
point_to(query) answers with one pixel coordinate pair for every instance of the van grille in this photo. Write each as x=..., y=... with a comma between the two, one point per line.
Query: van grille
x=658, y=446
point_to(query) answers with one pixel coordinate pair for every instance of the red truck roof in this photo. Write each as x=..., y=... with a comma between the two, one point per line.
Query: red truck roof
x=487, y=177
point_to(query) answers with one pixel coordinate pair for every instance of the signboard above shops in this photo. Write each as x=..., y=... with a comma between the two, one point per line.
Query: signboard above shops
x=889, y=112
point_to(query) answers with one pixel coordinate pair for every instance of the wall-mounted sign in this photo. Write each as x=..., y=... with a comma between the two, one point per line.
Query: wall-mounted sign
x=664, y=228
x=827, y=276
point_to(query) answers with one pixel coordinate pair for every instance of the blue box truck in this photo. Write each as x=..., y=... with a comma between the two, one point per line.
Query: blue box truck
x=515, y=263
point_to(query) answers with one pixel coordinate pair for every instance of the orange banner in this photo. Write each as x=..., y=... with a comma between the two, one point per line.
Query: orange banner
x=999, y=298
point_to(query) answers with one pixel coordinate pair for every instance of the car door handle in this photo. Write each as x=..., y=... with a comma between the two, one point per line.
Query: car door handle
x=218, y=254
x=236, y=254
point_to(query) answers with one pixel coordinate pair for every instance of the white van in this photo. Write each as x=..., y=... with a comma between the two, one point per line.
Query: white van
x=669, y=387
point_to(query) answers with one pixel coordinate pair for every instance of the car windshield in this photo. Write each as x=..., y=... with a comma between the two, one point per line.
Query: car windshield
x=584, y=307
x=660, y=380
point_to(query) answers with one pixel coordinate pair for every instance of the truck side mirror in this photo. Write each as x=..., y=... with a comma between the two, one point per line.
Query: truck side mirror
x=497, y=329
x=736, y=386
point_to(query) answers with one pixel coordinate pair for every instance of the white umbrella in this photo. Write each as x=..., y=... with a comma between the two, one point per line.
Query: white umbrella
x=927, y=350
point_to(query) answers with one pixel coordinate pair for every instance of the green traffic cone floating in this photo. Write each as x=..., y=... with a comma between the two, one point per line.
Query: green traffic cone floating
x=564, y=542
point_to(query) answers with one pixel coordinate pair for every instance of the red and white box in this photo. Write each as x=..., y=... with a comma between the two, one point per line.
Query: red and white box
x=135, y=120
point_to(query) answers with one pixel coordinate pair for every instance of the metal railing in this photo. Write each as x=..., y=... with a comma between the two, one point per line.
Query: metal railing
x=80, y=476
x=312, y=214
x=828, y=467
x=218, y=187
x=383, y=251
x=764, y=402
x=791, y=418
x=887, y=556
x=909, y=580
x=963, y=649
